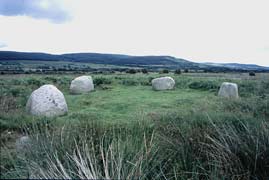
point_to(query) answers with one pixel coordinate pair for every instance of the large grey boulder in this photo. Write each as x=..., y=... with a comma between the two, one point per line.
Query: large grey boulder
x=47, y=101
x=163, y=83
x=228, y=90
x=82, y=84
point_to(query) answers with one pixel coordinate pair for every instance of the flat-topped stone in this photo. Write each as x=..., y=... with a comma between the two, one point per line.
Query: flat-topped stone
x=228, y=90
x=163, y=83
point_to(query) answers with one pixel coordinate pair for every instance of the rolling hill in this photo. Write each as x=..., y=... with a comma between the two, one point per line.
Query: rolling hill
x=238, y=66
x=151, y=62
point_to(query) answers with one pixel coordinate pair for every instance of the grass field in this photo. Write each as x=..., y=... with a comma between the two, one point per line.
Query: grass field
x=125, y=130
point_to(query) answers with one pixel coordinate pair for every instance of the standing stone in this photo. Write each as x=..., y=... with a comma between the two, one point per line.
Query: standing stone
x=228, y=90
x=47, y=101
x=82, y=84
x=163, y=83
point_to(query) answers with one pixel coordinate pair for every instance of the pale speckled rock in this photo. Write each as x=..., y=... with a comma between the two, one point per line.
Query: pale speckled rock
x=23, y=144
x=82, y=84
x=163, y=83
x=228, y=90
x=47, y=101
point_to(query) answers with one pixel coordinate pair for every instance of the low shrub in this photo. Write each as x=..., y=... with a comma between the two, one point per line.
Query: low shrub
x=51, y=78
x=252, y=74
x=34, y=81
x=182, y=82
x=178, y=71
x=131, y=71
x=164, y=71
x=106, y=87
x=204, y=85
x=101, y=80
x=144, y=71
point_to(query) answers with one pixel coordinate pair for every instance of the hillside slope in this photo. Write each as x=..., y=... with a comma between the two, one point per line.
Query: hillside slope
x=96, y=58
x=238, y=66
x=152, y=62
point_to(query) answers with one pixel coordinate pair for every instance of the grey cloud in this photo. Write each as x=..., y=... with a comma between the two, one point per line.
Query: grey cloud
x=40, y=9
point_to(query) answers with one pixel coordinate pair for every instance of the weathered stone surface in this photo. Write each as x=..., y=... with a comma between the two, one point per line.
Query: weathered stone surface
x=47, y=101
x=82, y=84
x=22, y=144
x=228, y=90
x=163, y=83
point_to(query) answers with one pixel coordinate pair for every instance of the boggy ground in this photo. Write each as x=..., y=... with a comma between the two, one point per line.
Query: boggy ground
x=125, y=130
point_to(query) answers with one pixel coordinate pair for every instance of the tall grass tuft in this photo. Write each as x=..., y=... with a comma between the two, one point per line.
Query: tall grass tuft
x=215, y=148
x=94, y=153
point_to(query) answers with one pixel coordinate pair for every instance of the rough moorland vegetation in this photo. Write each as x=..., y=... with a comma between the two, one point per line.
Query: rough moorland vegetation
x=125, y=130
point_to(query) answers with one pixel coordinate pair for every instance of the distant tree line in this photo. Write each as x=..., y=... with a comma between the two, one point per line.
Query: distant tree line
x=13, y=67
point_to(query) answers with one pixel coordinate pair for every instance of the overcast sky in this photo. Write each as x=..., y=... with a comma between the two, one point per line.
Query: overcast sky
x=198, y=30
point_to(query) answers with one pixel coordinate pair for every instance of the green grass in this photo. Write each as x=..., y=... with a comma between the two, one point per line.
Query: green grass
x=178, y=134
x=123, y=104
